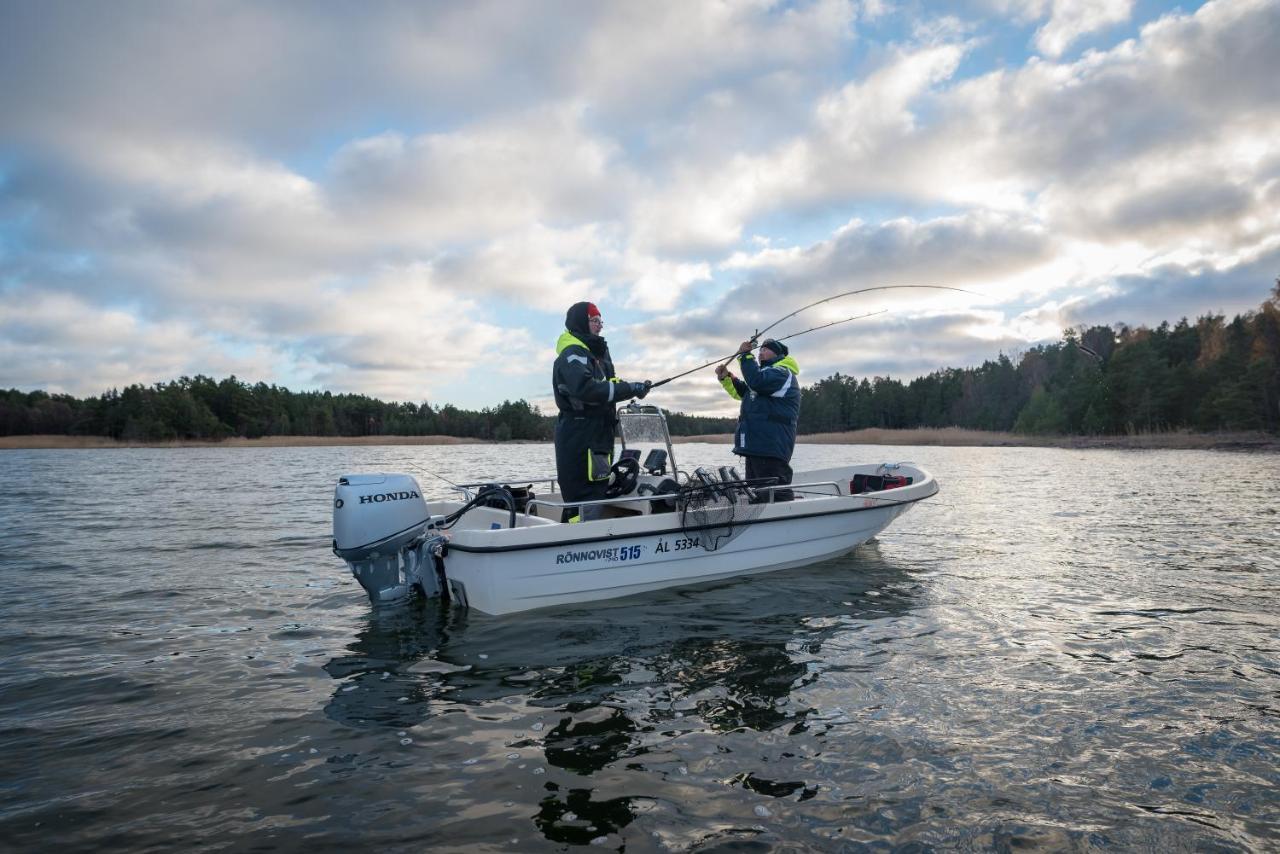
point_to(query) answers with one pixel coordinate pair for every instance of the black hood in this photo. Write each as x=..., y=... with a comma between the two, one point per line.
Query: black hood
x=575, y=320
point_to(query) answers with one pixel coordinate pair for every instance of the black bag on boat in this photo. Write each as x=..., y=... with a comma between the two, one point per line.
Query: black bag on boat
x=522, y=495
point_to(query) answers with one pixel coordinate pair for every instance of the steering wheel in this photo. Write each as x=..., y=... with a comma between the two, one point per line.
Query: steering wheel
x=622, y=478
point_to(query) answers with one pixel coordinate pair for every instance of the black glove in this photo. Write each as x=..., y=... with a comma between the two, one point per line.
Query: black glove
x=624, y=390
x=641, y=389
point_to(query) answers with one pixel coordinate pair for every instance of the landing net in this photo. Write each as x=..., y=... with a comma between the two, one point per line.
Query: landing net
x=714, y=514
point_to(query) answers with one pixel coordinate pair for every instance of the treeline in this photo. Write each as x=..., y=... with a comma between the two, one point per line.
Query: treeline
x=204, y=408
x=1208, y=375
x=1204, y=376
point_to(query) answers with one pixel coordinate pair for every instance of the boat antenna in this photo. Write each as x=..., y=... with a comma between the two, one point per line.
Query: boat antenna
x=759, y=332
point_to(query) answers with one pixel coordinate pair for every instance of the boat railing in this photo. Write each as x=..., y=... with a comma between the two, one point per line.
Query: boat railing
x=801, y=487
x=635, y=499
x=465, y=488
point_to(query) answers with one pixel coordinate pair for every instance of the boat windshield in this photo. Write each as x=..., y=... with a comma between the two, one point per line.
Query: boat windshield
x=644, y=428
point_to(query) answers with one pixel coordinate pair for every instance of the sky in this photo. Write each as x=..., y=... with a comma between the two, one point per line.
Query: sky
x=402, y=199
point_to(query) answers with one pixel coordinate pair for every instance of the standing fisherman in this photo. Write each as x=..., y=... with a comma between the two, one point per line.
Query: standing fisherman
x=770, y=395
x=586, y=393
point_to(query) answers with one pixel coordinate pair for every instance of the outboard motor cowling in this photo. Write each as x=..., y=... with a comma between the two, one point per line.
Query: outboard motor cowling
x=381, y=528
x=376, y=513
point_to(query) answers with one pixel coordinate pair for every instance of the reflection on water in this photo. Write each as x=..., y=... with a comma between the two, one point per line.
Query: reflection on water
x=377, y=684
x=608, y=693
x=1065, y=650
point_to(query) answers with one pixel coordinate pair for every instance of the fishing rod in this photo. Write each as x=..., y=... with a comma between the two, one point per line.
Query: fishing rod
x=792, y=335
x=1089, y=351
x=756, y=336
x=832, y=323
x=760, y=332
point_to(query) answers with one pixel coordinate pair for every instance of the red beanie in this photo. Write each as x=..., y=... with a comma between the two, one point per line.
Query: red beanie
x=592, y=311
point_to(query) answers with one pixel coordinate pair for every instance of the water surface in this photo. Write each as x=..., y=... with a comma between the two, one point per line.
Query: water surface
x=1065, y=650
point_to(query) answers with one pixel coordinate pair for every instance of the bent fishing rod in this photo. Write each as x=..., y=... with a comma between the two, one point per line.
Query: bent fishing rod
x=756, y=336
x=859, y=291
x=832, y=323
x=784, y=338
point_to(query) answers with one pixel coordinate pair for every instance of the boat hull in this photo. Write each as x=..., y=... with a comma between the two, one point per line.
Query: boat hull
x=518, y=578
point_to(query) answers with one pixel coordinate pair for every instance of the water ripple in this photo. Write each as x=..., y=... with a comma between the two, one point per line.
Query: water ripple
x=1030, y=664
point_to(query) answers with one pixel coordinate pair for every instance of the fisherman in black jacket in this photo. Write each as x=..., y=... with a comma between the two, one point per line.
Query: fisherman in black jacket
x=586, y=393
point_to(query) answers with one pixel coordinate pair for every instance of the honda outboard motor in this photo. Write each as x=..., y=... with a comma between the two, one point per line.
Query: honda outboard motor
x=382, y=529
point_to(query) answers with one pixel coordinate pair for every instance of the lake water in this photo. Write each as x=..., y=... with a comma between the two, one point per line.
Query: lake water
x=1065, y=650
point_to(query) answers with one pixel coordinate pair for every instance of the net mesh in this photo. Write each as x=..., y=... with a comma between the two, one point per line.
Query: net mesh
x=714, y=513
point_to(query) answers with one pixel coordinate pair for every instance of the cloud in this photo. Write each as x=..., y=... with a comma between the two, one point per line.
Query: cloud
x=400, y=335
x=63, y=344
x=896, y=345
x=313, y=192
x=1005, y=140
x=655, y=285
x=705, y=206
x=541, y=166
x=1171, y=291
x=282, y=73
x=919, y=330
x=973, y=251
x=539, y=267
x=176, y=220
x=288, y=72
x=1177, y=202
x=650, y=55
x=1070, y=20
x=1192, y=87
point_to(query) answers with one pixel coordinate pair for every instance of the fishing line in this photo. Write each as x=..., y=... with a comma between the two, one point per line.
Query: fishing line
x=832, y=323
x=784, y=338
x=412, y=464
x=859, y=291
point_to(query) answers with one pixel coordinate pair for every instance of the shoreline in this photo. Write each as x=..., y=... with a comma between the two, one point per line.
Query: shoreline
x=924, y=436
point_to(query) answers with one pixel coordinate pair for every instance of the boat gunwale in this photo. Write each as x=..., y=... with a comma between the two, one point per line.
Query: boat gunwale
x=884, y=503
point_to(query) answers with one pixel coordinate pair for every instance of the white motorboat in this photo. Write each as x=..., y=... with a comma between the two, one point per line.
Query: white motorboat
x=502, y=546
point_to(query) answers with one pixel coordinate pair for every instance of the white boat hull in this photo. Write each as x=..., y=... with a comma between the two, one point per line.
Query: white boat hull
x=500, y=561
x=562, y=573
